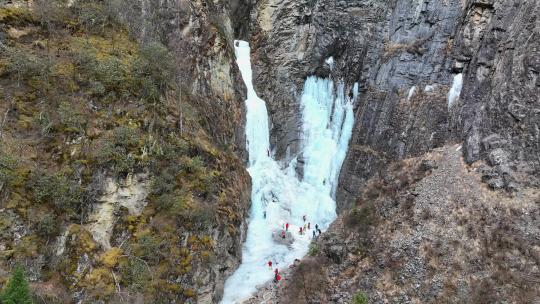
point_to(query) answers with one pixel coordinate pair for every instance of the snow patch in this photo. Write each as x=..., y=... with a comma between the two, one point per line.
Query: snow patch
x=455, y=91
x=411, y=92
x=429, y=88
x=330, y=62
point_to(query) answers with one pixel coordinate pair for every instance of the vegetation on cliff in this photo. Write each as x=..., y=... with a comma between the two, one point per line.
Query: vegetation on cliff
x=81, y=101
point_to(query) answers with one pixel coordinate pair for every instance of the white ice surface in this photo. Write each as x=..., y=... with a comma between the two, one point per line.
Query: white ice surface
x=455, y=91
x=411, y=92
x=327, y=122
x=330, y=62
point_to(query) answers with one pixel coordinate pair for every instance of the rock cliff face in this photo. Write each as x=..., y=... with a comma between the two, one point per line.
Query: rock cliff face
x=431, y=73
x=114, y=195
x=200, y=34
x=405, y=55
x=497, y=44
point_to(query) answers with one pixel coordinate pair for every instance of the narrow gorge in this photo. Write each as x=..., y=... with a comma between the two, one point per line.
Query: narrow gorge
x=167, y=151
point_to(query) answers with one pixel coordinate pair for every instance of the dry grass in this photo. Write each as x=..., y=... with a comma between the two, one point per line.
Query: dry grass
x=392, y=49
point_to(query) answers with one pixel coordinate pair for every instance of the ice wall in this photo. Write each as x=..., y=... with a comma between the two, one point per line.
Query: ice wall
x=327, y=121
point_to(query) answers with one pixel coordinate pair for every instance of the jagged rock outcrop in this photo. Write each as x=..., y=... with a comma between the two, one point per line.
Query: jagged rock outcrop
x=129, y=193
x=499, y=112
x=200, y=34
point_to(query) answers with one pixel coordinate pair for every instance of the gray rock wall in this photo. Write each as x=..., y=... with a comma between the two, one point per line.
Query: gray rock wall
x=390, y=47
x=498, y=44
x=291, y=40
x=395, y=120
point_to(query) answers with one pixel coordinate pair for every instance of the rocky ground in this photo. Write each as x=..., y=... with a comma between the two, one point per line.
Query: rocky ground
x=269, y=293
x=429, y=231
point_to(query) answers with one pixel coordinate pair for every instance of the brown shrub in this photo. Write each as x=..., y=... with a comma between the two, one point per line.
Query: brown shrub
x=393, y=49
x=484, y=292
x=308, y=283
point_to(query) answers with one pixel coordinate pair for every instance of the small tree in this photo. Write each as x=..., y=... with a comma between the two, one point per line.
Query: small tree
x=153, y=70
x=91, y=16
x=8, y=175
x=25, y=66
x=360, y=298
x=313, y=249
x=17, y=290
x=60, y=190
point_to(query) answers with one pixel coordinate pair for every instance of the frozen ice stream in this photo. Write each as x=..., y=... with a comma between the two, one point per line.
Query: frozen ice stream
x=327, y=121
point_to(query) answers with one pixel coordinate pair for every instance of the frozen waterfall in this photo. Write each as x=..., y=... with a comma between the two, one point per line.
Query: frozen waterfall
x=327, y=122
